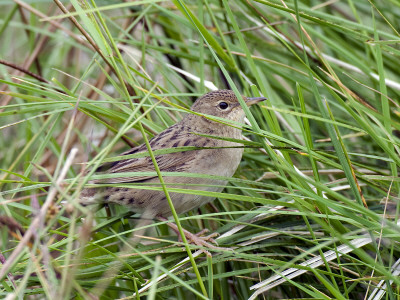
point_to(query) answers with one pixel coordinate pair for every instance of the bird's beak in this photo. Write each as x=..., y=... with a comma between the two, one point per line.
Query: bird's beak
x=255, y=100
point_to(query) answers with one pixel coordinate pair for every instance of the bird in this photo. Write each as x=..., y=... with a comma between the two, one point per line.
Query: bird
x=212, y=155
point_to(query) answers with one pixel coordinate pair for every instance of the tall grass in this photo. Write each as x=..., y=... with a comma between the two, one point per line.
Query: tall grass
x=312, y=211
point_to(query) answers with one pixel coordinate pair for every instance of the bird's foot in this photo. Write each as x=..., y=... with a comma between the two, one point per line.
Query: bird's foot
x=200, y=235
x=198, y=239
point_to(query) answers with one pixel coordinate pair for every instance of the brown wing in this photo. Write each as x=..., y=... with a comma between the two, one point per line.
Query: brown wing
x=171, y=162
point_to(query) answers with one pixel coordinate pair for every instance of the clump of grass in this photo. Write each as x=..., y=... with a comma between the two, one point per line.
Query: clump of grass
x=312, y=211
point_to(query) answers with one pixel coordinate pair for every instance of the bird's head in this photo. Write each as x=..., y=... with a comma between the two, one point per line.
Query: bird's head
x=223, y=104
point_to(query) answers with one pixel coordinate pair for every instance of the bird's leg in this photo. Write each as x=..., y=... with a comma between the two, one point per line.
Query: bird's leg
x=197, y=239
x=202, y=232
x=190, y=236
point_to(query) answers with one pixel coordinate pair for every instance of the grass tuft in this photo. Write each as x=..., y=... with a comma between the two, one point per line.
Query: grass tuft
x=312, y=211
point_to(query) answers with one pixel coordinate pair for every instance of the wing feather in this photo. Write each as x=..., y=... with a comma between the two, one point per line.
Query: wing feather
x=170, y=162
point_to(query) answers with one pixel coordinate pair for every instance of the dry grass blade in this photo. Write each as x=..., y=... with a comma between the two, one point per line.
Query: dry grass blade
x=40, y=218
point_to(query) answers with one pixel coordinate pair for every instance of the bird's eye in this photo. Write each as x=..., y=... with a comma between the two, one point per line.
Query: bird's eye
x=223, y=105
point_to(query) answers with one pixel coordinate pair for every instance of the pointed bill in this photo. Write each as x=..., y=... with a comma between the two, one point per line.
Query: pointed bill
x=255, y=100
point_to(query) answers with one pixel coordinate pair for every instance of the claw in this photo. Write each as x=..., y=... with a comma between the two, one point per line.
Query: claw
x=198, y=239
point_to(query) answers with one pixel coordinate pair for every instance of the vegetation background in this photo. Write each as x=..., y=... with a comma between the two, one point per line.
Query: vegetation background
x=312, y=212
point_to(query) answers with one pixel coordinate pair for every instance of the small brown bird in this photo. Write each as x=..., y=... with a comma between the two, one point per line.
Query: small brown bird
x=222, y=161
